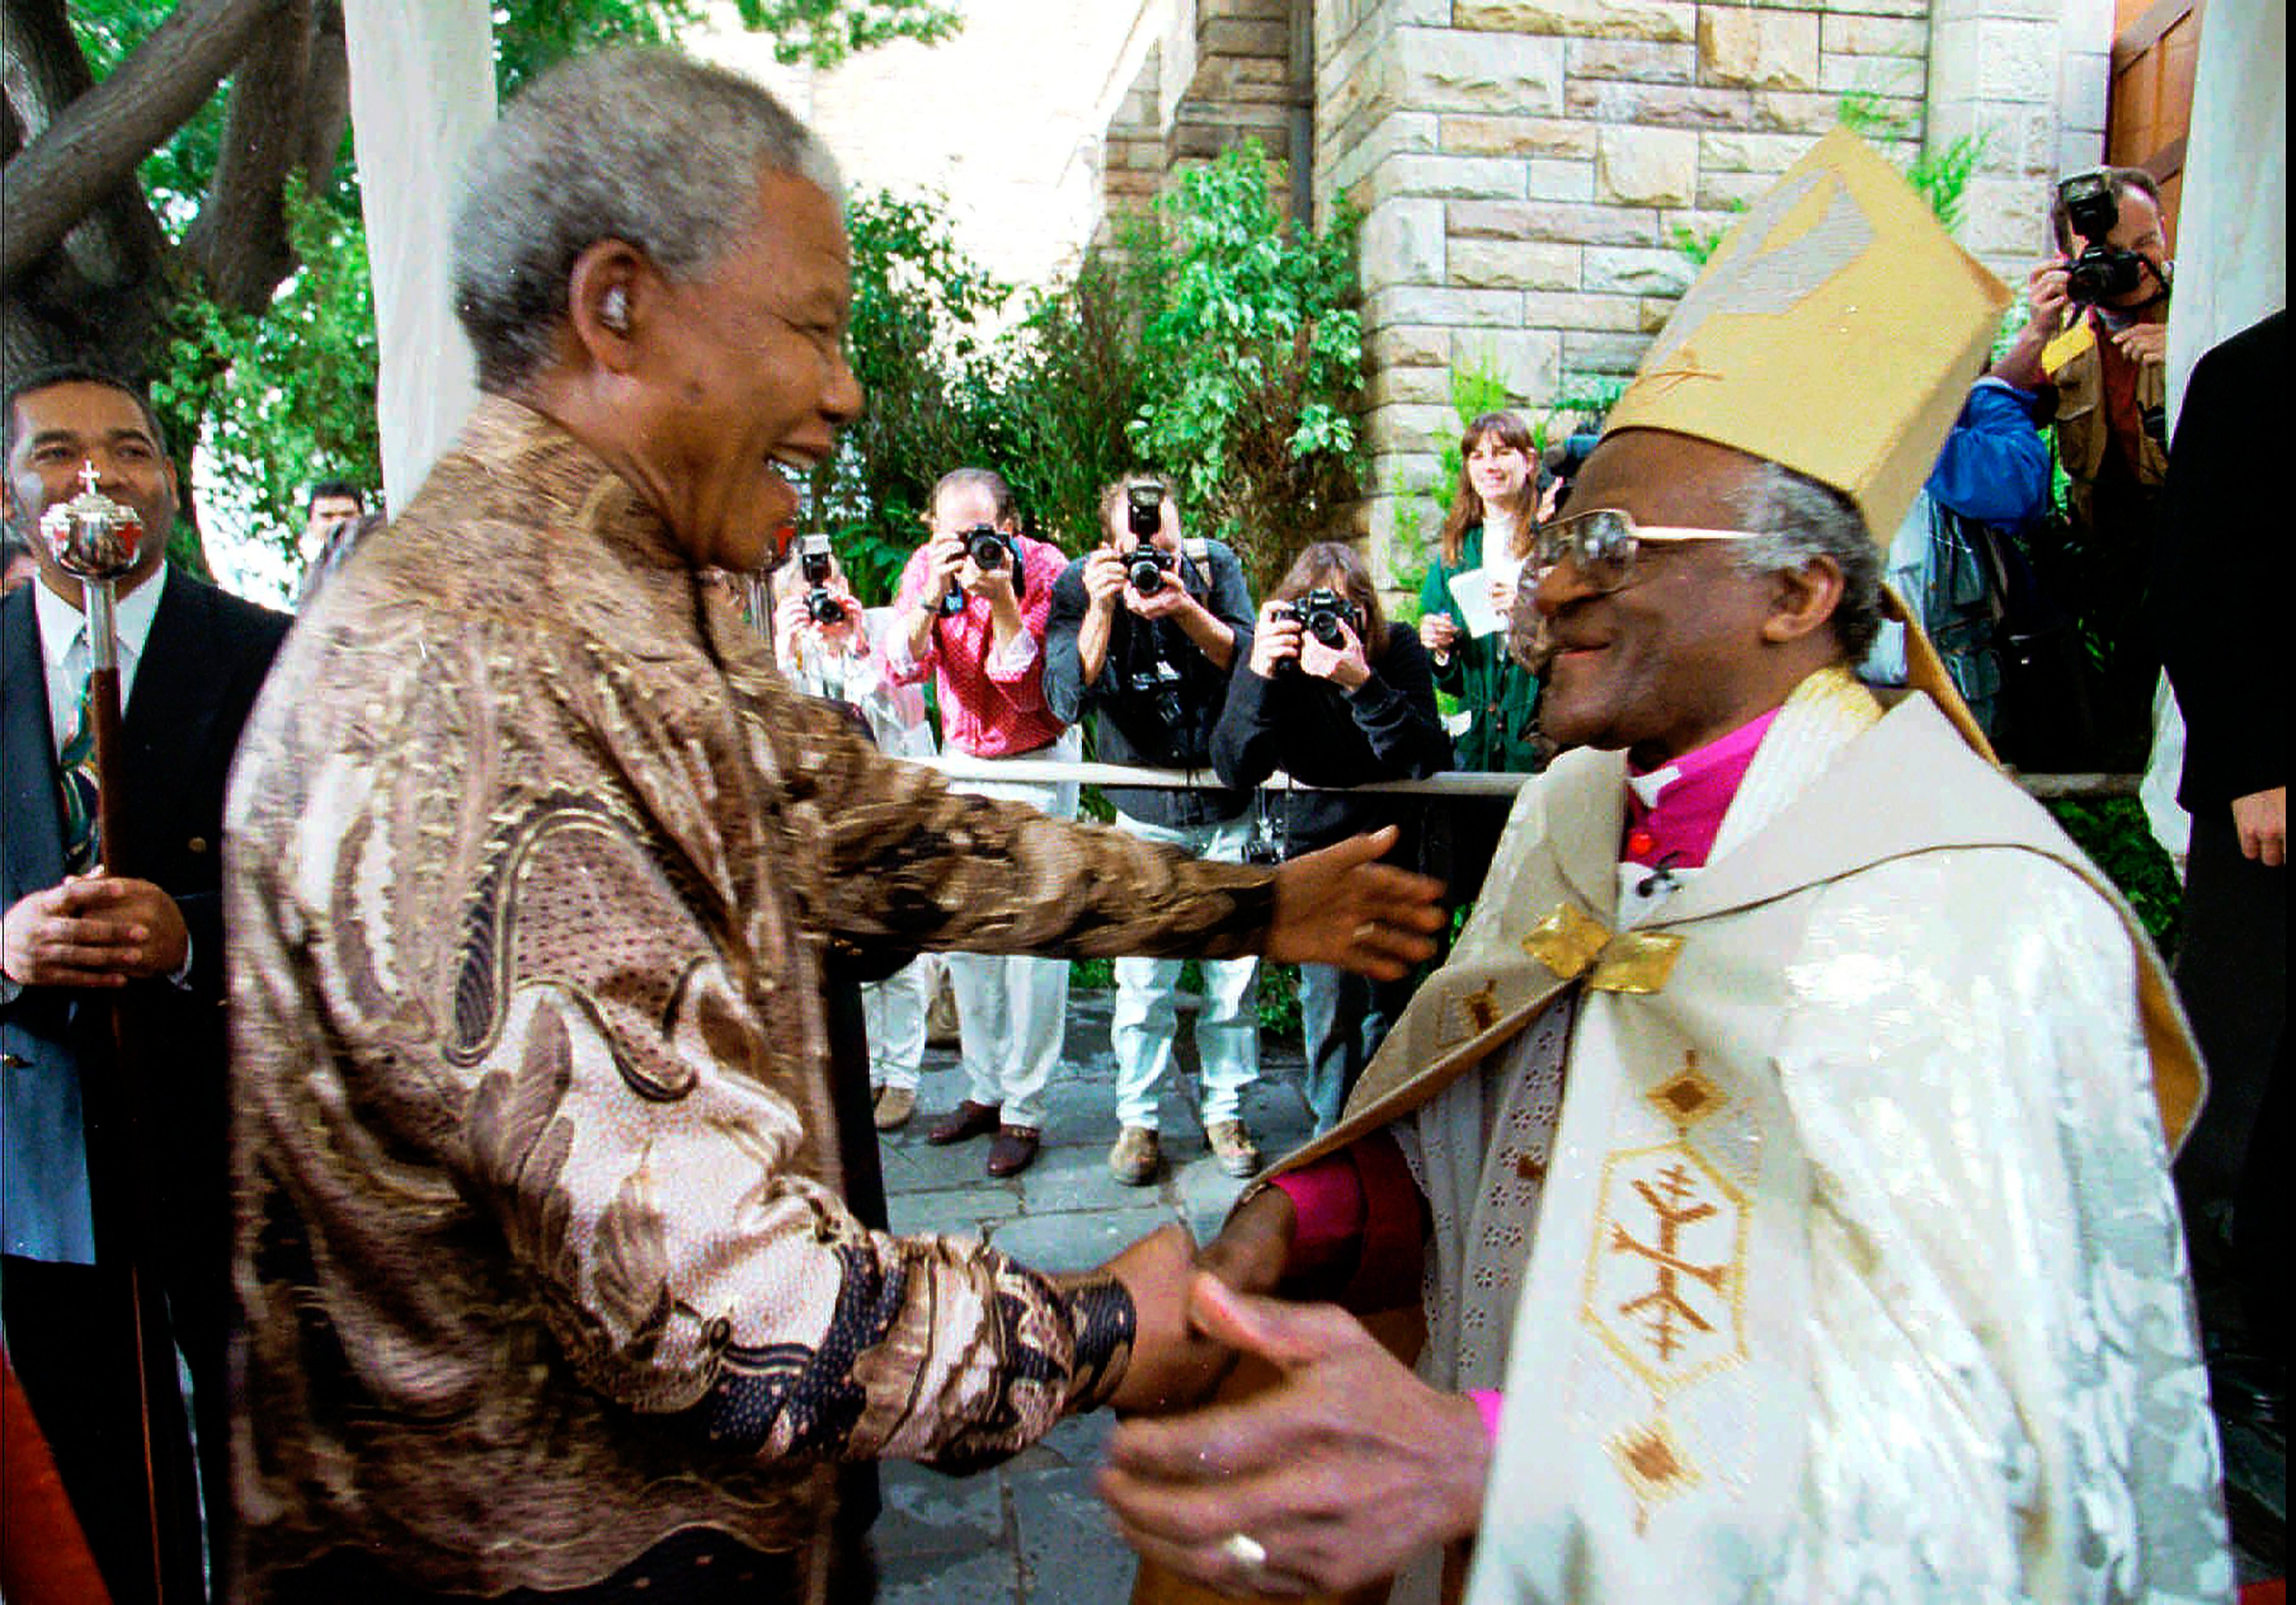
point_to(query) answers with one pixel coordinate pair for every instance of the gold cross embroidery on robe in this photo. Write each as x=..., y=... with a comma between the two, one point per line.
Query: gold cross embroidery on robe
x=1572, y=942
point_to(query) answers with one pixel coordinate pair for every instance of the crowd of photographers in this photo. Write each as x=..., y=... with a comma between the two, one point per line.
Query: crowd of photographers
x=1153, y=638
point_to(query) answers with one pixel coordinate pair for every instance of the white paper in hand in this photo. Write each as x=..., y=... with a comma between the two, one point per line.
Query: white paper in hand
x=1473, y=592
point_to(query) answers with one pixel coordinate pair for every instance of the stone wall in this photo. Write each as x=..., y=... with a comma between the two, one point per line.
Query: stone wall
x=1223, y=71
x=1525, y=166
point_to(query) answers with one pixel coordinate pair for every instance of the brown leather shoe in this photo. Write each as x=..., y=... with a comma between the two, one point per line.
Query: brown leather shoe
x=967, y=1120
x=893, y=1107
x=1013, y=1151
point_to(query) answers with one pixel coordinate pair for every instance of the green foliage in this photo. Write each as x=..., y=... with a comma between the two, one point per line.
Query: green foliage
x=2115, y=834
x=919, y=343
x=1252, y=362
x=286, y=396
x=1699, y=244
x=1070, y=385
x=1942, y=176
x=1276, y=1001
x=1869, y=116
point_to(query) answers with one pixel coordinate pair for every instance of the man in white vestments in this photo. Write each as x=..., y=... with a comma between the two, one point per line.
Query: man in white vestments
x=1779, y=1164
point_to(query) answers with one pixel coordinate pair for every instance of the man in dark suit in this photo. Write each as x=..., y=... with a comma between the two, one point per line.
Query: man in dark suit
x=2221, y=644
x=75, y=935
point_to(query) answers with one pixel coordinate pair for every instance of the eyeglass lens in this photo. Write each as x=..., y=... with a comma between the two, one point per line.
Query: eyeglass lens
x=1600, y=544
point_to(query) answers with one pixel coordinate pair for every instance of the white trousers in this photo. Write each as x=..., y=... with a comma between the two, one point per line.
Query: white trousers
x=1012, y=1011
x=894, y=1009
x=1146, y=1019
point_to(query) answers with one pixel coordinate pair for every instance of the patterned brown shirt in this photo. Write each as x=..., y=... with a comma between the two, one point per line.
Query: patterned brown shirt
x=541, y=1246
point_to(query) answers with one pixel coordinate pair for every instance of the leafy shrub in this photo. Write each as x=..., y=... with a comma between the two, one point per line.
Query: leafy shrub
x=1252, y=362
x=286, y=395
x=919, y=343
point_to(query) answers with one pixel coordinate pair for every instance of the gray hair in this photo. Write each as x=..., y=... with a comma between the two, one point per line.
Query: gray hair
x=1800, y=519
x=635, y=144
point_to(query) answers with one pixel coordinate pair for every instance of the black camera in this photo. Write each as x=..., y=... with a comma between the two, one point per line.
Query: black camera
x=2101, y=271
x=1321, y=612
x=1145, y=567
x=1157, y=689
x=813, y=563
x=989, y=547
x=1143, y=508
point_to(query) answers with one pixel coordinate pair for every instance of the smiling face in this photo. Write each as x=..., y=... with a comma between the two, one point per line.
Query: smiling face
x=1689, y=648
x=746, y=381
x=1495, y=470
x=56, y=432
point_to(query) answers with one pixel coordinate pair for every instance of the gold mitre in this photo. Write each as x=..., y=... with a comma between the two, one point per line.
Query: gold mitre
x=1836, y=330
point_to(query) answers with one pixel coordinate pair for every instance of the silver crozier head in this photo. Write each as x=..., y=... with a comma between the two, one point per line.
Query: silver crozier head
x=92, y=536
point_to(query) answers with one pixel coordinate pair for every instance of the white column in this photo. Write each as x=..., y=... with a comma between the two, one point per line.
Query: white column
x=422, y=91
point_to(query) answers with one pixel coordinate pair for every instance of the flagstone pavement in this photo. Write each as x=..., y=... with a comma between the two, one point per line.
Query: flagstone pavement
x=1030, y=1532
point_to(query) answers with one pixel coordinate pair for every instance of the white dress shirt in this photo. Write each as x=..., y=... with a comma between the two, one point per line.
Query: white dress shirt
x=64, y=648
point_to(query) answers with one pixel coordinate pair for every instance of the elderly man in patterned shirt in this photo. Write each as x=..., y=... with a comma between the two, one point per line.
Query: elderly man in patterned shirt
x=549, y=1287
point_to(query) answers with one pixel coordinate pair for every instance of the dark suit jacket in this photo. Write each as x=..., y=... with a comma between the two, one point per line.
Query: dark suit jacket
x=2219, y=579
x=201, y=666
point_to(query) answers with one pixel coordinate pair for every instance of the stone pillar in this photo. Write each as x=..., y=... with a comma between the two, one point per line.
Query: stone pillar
x=1133, y=154
x=2030, y=76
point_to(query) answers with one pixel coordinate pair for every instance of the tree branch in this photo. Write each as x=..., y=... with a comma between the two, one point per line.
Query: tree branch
x=93, y=145
x=327, y=99
x=239, y=241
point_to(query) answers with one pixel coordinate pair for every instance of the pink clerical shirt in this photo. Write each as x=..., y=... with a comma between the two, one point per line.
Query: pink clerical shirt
x=992, y=703
x=1674, y=811
x=1339, y=1205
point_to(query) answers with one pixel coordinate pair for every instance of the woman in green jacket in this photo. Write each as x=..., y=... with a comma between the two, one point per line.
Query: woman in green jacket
x=1494, y=509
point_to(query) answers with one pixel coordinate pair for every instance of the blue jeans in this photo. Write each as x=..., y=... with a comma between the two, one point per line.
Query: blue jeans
x=1146, y=1021
x=1344, y=1018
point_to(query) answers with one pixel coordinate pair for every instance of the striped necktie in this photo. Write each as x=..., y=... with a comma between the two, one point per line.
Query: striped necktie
x=75, y=779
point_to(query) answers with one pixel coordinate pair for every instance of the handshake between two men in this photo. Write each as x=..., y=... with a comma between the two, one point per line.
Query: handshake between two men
x=1343, y=1465
x=1333, y=1473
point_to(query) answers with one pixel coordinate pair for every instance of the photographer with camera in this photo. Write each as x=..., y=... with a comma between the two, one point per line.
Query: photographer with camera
x=971, y=612
x=822, y=637
x=2095, y=354
x=1334, y=695
x=1144, y=631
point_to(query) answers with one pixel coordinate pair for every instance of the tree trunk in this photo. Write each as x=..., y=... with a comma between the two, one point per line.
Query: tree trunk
x=240, y=237
x=94, y=142
x=93, y=299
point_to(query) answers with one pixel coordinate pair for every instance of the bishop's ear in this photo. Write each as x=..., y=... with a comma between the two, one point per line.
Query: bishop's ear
x=1802, y=600
x=611, y=291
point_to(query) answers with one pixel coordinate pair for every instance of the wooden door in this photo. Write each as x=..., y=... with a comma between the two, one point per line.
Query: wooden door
x=2156, y=53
